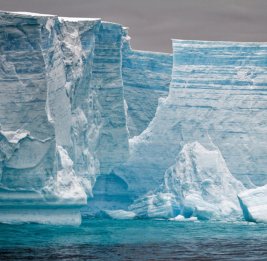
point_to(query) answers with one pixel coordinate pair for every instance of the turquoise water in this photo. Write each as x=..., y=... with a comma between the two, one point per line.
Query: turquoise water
x=105, y=239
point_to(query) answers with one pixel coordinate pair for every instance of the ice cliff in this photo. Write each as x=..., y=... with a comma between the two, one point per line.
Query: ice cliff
x=62, y=113
x=84, y=117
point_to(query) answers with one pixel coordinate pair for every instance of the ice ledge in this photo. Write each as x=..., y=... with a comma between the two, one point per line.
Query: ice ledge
x=53, y=216
x=204, y=43
x=27, y=14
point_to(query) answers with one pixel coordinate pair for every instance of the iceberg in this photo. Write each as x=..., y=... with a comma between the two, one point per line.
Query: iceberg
x=120, y=214
x=181, y=218
x=199, y=185
x=84, y=117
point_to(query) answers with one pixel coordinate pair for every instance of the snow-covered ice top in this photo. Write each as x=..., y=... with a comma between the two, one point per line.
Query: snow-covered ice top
x=28, y=14
x=78, y=19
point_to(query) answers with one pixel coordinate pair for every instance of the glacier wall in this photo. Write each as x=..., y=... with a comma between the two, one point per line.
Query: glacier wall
x=36, y=122
x=146, y=78
x=107, y=89
x=78, y=44
x=219, y=90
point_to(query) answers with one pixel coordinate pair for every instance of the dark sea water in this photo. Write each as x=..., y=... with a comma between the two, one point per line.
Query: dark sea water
x=135, y=240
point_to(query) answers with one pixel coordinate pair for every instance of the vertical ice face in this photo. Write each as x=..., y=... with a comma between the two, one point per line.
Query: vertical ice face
x=107, y=98
x=29, y=61
x=78, y=45
x=36, y=123
x=146, y=78
x=218, y=92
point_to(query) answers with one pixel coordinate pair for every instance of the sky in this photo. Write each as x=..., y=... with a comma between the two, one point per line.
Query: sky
x=153, y=23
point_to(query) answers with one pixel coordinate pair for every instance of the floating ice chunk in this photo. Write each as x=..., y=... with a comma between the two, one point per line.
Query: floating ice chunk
x=155, y=205
x=182, y=218
x=254, y=204
x=120, y=214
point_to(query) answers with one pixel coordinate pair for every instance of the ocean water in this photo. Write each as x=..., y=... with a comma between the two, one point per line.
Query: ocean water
x=104, y=239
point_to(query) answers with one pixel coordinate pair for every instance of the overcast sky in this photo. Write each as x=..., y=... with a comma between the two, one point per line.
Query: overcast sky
x=153, y=23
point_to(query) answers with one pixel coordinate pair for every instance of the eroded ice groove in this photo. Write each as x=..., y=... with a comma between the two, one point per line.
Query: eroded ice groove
x=146, y=78
x=78, y=45
x=107, y=100
x=112, y=146
x=254, y=204
x=198, y=185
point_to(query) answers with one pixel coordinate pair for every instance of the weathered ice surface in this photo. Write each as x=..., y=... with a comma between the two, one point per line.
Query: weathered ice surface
x=35, y=121
x=254, y=204
x=198, y=185
x=219, y=93
x=107, y=97
x=82, y=115
x=78, y=45
x=146, y=78
x=217, y=97
x=62, y=113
